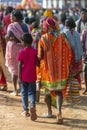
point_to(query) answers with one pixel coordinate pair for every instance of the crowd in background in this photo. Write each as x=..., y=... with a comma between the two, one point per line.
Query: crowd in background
x=46, y=47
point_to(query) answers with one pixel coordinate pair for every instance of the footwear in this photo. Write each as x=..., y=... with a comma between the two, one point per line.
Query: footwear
x=85, y=92
x=25, y=113
x=48, y=114
x=59, y=119
x=33, y=115
x=3, y=88
x=14, y=93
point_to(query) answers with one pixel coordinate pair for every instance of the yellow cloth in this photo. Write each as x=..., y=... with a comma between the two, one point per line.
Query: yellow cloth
x=48, y=13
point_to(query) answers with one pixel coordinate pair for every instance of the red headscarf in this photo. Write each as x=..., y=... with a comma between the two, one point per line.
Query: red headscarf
x=49, y=22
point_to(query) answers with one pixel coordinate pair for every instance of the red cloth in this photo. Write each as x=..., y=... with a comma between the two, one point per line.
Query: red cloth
x=2, y=80
x=6, y=21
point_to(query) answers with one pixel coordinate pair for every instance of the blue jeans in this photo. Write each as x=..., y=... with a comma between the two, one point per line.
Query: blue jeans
x=28, y=90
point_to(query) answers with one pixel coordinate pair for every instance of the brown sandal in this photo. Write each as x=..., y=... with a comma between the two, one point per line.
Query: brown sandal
x=3, y=88
x=33, y=114
x=59, y=119
x=85, y=92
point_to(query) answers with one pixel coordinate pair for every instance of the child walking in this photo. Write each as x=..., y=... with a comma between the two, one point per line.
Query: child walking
x=27, y=60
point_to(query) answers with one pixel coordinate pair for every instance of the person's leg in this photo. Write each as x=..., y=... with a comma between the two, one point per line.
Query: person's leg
x=24, y=94
x=85, y=83
x=59, y=101
x=32, y=96
x=19, y=88
x=38, y=86
x=48, y=102
x=3, y=83
x=14, y=80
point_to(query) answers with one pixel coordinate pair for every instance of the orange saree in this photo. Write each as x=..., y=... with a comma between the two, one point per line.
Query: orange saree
x=55, y=54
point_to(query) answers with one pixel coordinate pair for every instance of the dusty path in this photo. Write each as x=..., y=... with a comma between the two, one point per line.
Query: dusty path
x=75, y=116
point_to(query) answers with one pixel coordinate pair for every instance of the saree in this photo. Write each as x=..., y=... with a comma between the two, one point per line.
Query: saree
x=13, y=47
x=54, y=64
x=55, y=54
x=2, y=67
x=72, y=91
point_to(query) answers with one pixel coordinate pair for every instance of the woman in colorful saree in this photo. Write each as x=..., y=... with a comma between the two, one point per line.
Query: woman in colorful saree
x=13, y=38
x=3, y=84
x=55, y=54
x=76, y=63
x=14, y=33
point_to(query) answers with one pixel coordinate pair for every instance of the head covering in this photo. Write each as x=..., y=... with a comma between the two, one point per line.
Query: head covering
x=16, y=29
x=49, y=22
x=75, y=43
x=48, y=13
x=42, y=18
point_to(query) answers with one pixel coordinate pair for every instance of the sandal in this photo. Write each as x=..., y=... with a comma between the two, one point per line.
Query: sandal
x=25, y=113
x=85, y=92
x=33, y=115
x=59, y=119
x=3, y=88
x=14, y=93
x=48, y=114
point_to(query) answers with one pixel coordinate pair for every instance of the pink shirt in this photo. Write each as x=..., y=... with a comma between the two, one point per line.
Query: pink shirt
x=28, y=57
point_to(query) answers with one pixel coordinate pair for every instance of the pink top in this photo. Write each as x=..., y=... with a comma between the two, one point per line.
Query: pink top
x=28, y=57
x=12, y=50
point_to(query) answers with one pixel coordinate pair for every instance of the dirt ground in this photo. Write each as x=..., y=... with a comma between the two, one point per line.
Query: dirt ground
x=75, y=116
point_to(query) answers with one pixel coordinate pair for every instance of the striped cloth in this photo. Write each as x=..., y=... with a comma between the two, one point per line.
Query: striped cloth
x=72, y=92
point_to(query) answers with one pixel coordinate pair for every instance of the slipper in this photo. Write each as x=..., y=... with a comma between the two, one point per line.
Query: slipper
x=25, y=114
x=48, y=115
x=59, y=119
x=4, y=88
x=14, y=93
x=85, y=92
x=33, y=115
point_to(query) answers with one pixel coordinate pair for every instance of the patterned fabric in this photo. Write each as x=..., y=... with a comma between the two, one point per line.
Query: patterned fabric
x=75, y=67
x=74, y=40
x=16, y=29
x=12, y=50
x=55, y=61
x=72, y=92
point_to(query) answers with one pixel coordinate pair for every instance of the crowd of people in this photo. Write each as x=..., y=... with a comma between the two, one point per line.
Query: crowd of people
x=44, y=49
